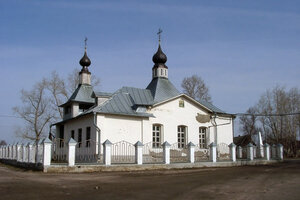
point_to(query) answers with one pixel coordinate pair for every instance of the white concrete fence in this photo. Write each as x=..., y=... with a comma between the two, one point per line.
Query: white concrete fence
x=41, y=153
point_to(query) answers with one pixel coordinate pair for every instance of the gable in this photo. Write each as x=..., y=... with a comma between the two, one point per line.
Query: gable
x=172, y=106
x=205, y=106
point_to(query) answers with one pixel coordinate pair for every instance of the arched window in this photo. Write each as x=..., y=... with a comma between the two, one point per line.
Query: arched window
x=202, y=137
x=181, y=136
x=156, y=135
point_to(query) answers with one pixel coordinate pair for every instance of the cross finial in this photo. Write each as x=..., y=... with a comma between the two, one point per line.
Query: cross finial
x=159, y=34
x=85, y=42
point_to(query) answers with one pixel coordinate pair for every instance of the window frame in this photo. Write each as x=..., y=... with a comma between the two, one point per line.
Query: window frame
x=79, y=137
x=88, y=137
x=157, y=134
x=202, y=137
x=61, y=136
x=181, y=136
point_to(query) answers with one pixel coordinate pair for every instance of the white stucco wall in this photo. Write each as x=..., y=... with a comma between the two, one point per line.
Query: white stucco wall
x=83, y=123
x=116, y=128
x=170, y=115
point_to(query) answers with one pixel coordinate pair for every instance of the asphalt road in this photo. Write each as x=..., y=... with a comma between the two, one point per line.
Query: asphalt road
x=278, y=181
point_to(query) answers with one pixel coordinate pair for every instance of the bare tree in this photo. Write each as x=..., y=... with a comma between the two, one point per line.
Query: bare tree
x=249, y=122
x=58, y=91
x=280, y=123
x=195, y=87
x=35, y=111
x=41, y=104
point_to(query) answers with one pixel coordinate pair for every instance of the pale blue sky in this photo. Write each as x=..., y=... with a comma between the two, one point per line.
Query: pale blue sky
x=240, y=48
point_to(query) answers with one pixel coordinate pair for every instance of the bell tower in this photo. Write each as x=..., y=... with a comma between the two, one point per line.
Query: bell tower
x=159, y=70
x=85, y=62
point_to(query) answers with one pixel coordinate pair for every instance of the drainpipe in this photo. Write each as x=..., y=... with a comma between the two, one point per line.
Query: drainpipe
x=99, y=135
x=214, y=123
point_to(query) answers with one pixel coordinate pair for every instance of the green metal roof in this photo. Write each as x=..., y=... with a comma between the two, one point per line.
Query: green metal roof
x=162, y=89
x=139, y=96
x=211, y=107
x=125, y=101
x=83, y=93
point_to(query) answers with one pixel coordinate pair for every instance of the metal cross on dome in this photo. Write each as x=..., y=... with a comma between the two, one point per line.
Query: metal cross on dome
x=85, y=42
x=159, y=34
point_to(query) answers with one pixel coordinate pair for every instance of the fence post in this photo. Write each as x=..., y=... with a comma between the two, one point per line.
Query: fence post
x=240, y=152
x=47, y=143
x=107, y=152
x=166, y=149
x=24, y=153
x=29, y=152
x=138, y=153
x=213, y=152
x=71, y=152
x=267, y=151
x=254, y=151
x=13, y=151
x=273, y=153
x=260, y=151
x=280, y=151
x=21, y=153
x=232, y=149
x=191, y=147
x=6, y=151
x=33, y=152
x=18, y=153
x=250, y=151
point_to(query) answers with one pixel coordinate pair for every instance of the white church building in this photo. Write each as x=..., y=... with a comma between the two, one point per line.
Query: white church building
x=151, y=115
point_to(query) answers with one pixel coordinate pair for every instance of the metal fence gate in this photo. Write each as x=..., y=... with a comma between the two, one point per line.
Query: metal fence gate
x=85, y=152
x=59, y=151
x=122, y=152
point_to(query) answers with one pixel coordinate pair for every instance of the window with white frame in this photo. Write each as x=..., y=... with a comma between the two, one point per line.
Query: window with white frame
x=181, y=133
x=202, y=137
x=156, y=136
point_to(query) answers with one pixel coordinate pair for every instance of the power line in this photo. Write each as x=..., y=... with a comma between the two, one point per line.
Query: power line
x=10, y=116
x=261, y=115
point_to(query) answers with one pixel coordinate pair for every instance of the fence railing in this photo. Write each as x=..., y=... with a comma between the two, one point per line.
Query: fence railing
x=178, y=154
x=86, y=152
x=126, y=152
x=59, y=150
x=223, y=151
x=122, y=152
x=152, y=154
x=201, y=154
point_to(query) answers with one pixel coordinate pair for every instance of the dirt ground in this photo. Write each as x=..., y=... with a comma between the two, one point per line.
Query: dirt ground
x=278, y=181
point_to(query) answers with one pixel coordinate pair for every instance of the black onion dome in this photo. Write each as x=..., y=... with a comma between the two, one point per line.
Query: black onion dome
x=85, y=61
x=159, y=57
